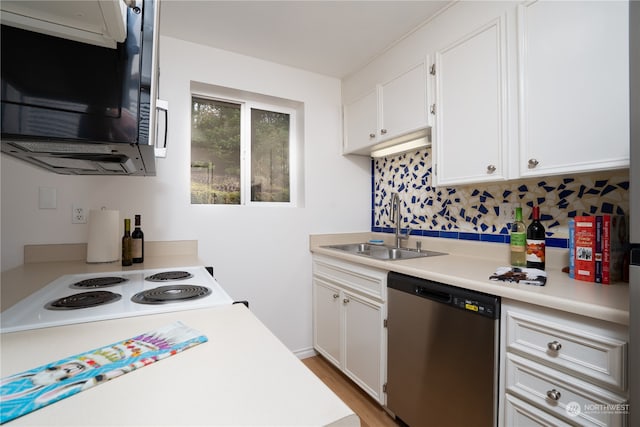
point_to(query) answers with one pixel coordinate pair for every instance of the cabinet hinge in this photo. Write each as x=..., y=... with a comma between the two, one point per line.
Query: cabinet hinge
x=433, y=109
x=385, y=323
x=384, y=387
x=435, y=169
x=432, y=69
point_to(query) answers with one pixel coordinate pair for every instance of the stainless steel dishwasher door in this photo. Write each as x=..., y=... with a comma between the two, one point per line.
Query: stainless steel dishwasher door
x=442, y=360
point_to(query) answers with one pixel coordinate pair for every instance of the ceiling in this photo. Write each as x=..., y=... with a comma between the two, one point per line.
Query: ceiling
x=333, y=38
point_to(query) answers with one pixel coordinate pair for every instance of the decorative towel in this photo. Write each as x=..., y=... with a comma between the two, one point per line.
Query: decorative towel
x=30, y=390
x=524, y=276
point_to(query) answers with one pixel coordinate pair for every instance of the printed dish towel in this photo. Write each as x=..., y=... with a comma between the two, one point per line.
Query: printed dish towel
x=33, y=389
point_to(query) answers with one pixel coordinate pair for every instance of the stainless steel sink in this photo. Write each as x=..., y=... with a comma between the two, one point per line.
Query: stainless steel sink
x=388, y=253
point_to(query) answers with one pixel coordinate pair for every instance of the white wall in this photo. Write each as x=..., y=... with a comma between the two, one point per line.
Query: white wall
x=260, y=254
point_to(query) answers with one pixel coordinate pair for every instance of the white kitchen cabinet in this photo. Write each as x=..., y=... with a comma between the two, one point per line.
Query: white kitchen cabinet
x=560, y=368
x=574, y=87
x=98, y=22
x=349, y=310
x=403, y=103
x=392, y=110
x=327, y=320
x=470, y=135
x=361, y=123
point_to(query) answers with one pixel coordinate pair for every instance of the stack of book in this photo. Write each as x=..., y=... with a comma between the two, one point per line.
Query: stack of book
x=597, y=248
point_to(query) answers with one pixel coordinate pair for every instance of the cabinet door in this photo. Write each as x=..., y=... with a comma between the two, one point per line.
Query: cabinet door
x=574, y=82
x=361, y=123
x=327, y=307
x=471, y=113
x=403, y=103
x=363, y=344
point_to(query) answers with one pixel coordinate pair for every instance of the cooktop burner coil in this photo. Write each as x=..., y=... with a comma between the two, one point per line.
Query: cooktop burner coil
x=167, y=276
x=83, y=300
x=171, y=293
x=98, y=282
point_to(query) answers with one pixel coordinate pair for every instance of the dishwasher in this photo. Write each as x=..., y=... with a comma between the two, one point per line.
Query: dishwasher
x=442, y=367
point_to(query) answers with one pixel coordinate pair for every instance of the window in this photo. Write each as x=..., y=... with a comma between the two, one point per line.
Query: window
x=241, y=152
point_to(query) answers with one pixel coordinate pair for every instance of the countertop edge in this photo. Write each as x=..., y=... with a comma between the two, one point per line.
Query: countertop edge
x=561, y=293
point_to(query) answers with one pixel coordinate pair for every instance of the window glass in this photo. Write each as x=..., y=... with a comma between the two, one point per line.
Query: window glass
x=240, y=152
x=269, y=156
x=215, y=152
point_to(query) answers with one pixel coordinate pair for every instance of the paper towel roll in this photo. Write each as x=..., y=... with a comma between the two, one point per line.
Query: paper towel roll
x=104, y=236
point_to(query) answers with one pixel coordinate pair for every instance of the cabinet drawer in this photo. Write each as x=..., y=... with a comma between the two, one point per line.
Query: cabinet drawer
x=521, y=414
x=364, y=280
x=570, y=399
x=564, y=346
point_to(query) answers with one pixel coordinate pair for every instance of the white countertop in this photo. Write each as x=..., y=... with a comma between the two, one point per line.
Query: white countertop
x=469, y=265
x=243, y=376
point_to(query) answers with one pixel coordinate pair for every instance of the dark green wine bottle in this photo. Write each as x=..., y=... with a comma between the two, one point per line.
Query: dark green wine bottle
x=126, y=244
x=137, y=242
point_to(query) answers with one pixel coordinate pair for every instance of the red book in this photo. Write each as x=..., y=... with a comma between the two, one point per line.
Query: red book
x=606, y=249
x=599, y=248
x=585, y=247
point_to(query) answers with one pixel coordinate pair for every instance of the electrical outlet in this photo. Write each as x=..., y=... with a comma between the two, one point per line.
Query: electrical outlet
x=507, y=212
x=78, y=214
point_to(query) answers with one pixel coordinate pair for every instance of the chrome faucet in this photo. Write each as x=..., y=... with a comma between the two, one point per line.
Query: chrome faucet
x=395, y=213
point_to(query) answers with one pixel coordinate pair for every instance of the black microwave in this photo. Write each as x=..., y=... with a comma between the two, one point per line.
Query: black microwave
x=80, y=109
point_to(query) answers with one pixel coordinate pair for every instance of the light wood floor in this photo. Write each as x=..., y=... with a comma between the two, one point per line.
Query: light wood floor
x=370, y=412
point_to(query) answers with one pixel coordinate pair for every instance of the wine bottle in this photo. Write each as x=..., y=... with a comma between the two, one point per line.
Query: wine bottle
x=518, y=240
x=126, y=244
x=137, y=242
x=535, y=242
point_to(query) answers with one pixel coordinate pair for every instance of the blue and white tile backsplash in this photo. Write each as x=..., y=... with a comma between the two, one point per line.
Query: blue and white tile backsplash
x=471, y=212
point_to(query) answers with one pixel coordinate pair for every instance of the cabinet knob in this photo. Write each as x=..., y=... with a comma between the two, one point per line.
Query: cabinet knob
x=383, y=131
x=491, y=169
x=372, y=135
x=346, y=300
x=336, y=296
x=554, y=346
x=533, y=163
x=554, y=394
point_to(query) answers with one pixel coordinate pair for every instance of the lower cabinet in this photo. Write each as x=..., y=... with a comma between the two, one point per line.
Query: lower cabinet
x=562, y=369
x=349, y=312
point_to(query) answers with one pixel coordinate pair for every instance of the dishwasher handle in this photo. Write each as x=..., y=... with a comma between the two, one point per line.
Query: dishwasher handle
x=433, y=294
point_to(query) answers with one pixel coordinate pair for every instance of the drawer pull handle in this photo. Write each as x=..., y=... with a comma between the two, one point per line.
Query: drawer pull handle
x=554, y=346
x=554, y=394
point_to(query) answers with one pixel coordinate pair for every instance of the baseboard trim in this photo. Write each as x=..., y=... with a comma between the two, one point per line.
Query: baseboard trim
x=305, y=353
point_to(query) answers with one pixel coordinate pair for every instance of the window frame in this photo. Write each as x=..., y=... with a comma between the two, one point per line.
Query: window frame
x=245, y=147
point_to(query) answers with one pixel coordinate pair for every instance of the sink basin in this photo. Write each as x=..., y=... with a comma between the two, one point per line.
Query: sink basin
x=388, y=253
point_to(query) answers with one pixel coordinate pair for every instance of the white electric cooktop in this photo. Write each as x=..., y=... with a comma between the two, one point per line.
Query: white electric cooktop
x=80, y=298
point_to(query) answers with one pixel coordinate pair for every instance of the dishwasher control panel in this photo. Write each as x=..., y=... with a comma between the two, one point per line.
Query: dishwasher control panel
x=475, y=306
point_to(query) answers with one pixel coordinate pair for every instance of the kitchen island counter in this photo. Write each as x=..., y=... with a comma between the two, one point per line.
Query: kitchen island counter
x=469, y=264
x=242, y=376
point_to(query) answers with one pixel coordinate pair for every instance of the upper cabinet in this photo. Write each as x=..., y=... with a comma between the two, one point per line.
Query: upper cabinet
x=470, y=138
x=403, y=103
x=574, y=87
x=388, y=111
x=98, y=22
x=361, y=123
x=520, y=89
